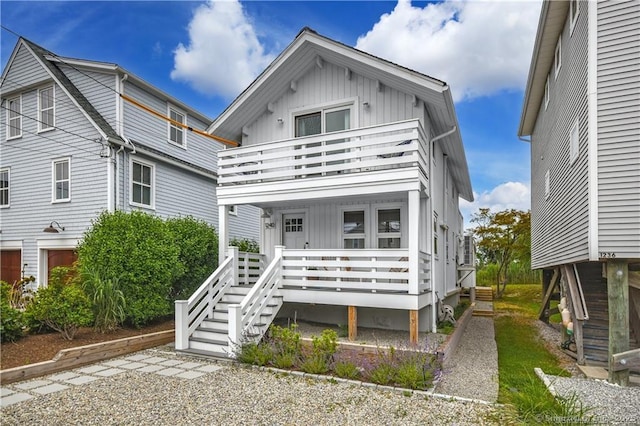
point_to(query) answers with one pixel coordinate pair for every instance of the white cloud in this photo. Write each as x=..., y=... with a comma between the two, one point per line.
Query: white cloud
x=224, y=54
x=478, y=47
x=509, y=195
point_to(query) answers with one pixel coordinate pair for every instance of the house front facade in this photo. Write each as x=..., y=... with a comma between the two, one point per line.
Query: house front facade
x=582, y=113
x=80, y=137
x=357, y=165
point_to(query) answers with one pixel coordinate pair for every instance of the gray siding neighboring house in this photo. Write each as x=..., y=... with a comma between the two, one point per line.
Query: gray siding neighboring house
x=72, y=158
x=582, y=113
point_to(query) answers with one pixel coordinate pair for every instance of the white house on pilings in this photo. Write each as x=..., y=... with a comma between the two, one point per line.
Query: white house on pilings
x=358, y=165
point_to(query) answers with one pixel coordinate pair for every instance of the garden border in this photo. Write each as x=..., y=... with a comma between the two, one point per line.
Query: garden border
x=448, y=347
x=76, y=357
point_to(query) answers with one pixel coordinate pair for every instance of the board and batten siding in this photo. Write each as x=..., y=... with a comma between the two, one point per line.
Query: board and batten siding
x=618, y=85
x=25, y=71
x=148, y=129
x=30, y=161
x=560, y=222
x=329, y=85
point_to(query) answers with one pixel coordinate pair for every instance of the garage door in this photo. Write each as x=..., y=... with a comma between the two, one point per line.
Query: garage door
x=10, y=265
x=60, y=258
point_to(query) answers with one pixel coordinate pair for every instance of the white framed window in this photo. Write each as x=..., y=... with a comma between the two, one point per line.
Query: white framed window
x=546, y=94
x=354, y=228
x=574, y=9
x=61, y=177
x=233, y=210
x=142, y=184
x=14, y=117
x=547, y=185
x=574, y=142
x=5, y=188
x=435, y=235
x=557, y=58
x=177, y=134
x=388, y=227
x=46, y=108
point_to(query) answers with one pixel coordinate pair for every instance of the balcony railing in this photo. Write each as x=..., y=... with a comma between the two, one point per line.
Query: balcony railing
x=383, y=147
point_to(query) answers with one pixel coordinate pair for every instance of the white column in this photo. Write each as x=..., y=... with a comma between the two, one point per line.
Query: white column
x=233, y=253
x=235, y=329
x=223, y=232
x=182, y=324
x=414, y=240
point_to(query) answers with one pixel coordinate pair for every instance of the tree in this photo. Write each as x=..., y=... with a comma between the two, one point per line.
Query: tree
x=501, y=238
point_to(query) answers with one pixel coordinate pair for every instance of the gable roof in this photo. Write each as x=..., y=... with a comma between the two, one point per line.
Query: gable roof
x=552, y=19
x=301, y=55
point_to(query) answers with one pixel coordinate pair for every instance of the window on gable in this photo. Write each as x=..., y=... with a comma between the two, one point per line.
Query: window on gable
x=61, y=180
x=558, y=57
x=547, y=185
x=142, y=181
x=233, y=210
x=46, y=109
x=546, y=94
x=353, y=229
x=574, y=143
x=176, y=133
x=4, y=188
x=14, y=119
x=574, y=9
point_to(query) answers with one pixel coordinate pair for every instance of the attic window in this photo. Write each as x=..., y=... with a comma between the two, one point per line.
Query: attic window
x=547, y=185
x=558, y=57
x=14, y=121
x=574, y=9
x=176, y=132
x=574, y=143
x=46, y=109
x=546, y=94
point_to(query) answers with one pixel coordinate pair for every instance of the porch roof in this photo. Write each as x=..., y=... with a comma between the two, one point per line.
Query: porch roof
x=310, y=47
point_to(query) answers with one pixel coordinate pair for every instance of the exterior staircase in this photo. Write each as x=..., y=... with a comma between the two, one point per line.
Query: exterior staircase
x=484, y=302
x=226, y=311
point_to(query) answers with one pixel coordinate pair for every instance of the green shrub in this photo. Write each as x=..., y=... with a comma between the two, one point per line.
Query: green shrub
x=254, y=353
x=326, y=344
x=62, y=305
x=246, y=245
x=315, y=364
x=140, y=252
x=197, y=242
x=346, y=369
x=11, y=320
x=413, y=372
x=285, y=340
x=383, y=374
x=108, y=302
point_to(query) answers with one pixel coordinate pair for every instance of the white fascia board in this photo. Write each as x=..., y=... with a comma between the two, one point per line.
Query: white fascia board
x=359, y=299
x=592, y=82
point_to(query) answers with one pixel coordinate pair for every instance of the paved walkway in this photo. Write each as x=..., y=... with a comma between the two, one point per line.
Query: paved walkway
x=472, y=370
x=157, y=362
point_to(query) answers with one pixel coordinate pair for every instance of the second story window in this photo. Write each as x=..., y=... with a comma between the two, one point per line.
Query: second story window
x=574, y=143
x=14, y=119
x=46, y=109
x=546, y=93
x=142, y=184
x=176, y=132
x=61, y=180
x=574, y=8
x=4, y=188
x=547, y=185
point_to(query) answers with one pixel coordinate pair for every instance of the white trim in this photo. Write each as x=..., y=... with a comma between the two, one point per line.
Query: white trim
x=11, y=245
x=19, y=117
x=233, y=210
x=53, y=97
x=574, y=142
x=54, y=180
x=547, y=184
x=152, y=184
x=546, y=94
x=183, y=131
x=8, y=170
x=593, y=130
x=322, y=108
x=557, y=57
x=573, y=19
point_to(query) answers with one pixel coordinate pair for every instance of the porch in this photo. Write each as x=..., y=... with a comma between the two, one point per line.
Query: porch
x=241, y=298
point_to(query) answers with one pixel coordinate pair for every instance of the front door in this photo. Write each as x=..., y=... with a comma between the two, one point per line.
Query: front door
x=294, y=230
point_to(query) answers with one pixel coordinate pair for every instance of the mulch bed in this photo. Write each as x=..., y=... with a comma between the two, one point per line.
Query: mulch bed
x=34, y=348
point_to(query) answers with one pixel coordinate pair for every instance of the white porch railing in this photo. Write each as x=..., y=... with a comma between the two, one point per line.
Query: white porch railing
x=250, y=267
x=397, y=145
x=244, y=317
x=381, y=270
x=190, y=313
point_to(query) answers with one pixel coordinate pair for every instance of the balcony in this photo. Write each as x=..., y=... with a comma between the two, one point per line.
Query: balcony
x=385, y=158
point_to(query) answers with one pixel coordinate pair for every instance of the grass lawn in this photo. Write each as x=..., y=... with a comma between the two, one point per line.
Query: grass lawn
x=519, y=352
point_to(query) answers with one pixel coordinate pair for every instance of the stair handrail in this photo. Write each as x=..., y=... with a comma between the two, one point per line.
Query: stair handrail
x=190, y=313
x=244, y=315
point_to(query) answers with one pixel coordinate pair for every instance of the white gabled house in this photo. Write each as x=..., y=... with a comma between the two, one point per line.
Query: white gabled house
x=79, y=137
x=357, y=164
x=582, y=113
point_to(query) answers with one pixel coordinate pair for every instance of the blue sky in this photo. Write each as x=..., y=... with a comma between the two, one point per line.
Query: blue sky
x=204, y=53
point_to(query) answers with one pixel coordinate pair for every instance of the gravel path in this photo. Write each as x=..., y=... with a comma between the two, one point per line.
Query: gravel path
x=472, y=371
x=236, y=395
